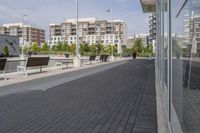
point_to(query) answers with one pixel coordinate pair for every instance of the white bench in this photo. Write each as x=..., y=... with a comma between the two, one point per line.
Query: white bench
x=64, y=61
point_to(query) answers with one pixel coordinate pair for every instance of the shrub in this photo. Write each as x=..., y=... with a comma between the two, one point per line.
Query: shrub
x=6, y=51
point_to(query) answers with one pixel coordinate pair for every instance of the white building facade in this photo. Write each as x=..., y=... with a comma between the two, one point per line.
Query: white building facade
x=144, y=38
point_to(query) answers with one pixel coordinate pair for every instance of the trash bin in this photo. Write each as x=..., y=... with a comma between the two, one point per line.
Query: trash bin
x=134, y=55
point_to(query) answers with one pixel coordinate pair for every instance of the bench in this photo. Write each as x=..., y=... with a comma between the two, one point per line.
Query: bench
x=64, y=61
x=2, y=67
x=92, y=58
x=104, y=58
x=34, y=62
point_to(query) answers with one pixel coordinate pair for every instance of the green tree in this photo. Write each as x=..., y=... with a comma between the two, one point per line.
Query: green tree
x=82, y=49
x=138, y=47
x=100, y=48
x=86, y=48
x=45, y=47
x=112, y=48
x=65, y=47
x=93, y=49
x=151, y=49
x=59, y=47
x=127, y=51
x=6, y=51
x=115, y=49
x=35, y=47
x=106, y=50
x=72, y=49
x=25, y=50
x=55, y=48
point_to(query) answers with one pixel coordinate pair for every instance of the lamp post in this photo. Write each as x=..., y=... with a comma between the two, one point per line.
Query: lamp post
x=77, y=61
x=77, y=31
x=23, y=20
x=111, y=18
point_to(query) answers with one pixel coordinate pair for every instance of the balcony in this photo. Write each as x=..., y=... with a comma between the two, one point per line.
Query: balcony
x=91, y=26
x=148, y=5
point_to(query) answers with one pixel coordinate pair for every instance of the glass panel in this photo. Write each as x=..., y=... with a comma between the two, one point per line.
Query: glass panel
x=186, y=65
x=166, y=41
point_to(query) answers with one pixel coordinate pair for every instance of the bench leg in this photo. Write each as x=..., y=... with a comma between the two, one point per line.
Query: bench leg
x=4, y=74
x=17, y=71
x=40, y=68
x=25, y=71
x=59, y=64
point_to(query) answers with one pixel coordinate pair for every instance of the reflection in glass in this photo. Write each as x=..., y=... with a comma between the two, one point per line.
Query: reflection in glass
x=166, y=42
x=186, y=65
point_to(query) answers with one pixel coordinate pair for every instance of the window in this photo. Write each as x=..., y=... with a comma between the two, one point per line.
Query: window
x=178, y=53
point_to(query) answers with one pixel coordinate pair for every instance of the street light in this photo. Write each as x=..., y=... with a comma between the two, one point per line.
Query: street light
x=77, y=29
x=111, y=17
x=24, y=16
x=77, y=61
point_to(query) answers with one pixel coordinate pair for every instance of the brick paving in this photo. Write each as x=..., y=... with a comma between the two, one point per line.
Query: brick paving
x=121, y=99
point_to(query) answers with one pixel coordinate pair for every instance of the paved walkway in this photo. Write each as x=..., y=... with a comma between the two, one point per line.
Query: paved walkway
x=120, y=99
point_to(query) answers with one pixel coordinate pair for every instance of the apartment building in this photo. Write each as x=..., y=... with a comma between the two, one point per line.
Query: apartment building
x=130, y=42
x=152, y=27
x=144, y=38
x=12, y=43
x=192, y=29
x=91, y=31
x=30, y=33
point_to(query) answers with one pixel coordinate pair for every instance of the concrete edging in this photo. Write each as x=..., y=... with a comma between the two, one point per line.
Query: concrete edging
x=162, y=122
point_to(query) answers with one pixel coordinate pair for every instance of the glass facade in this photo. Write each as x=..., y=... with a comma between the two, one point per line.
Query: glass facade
x=178, y=62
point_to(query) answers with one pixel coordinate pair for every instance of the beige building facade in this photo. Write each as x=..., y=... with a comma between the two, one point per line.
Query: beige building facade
x=91, y=31
x=30, y=33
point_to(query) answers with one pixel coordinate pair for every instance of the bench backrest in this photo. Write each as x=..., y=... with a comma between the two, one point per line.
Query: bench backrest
x=2, y=64
x=104, y=58
x=92, y=58
x=37, y=61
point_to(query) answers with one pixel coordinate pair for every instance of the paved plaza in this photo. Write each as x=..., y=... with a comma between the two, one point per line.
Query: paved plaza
x=113, y=98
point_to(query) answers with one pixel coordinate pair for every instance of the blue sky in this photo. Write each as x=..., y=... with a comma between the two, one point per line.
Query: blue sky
x=43, y=12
